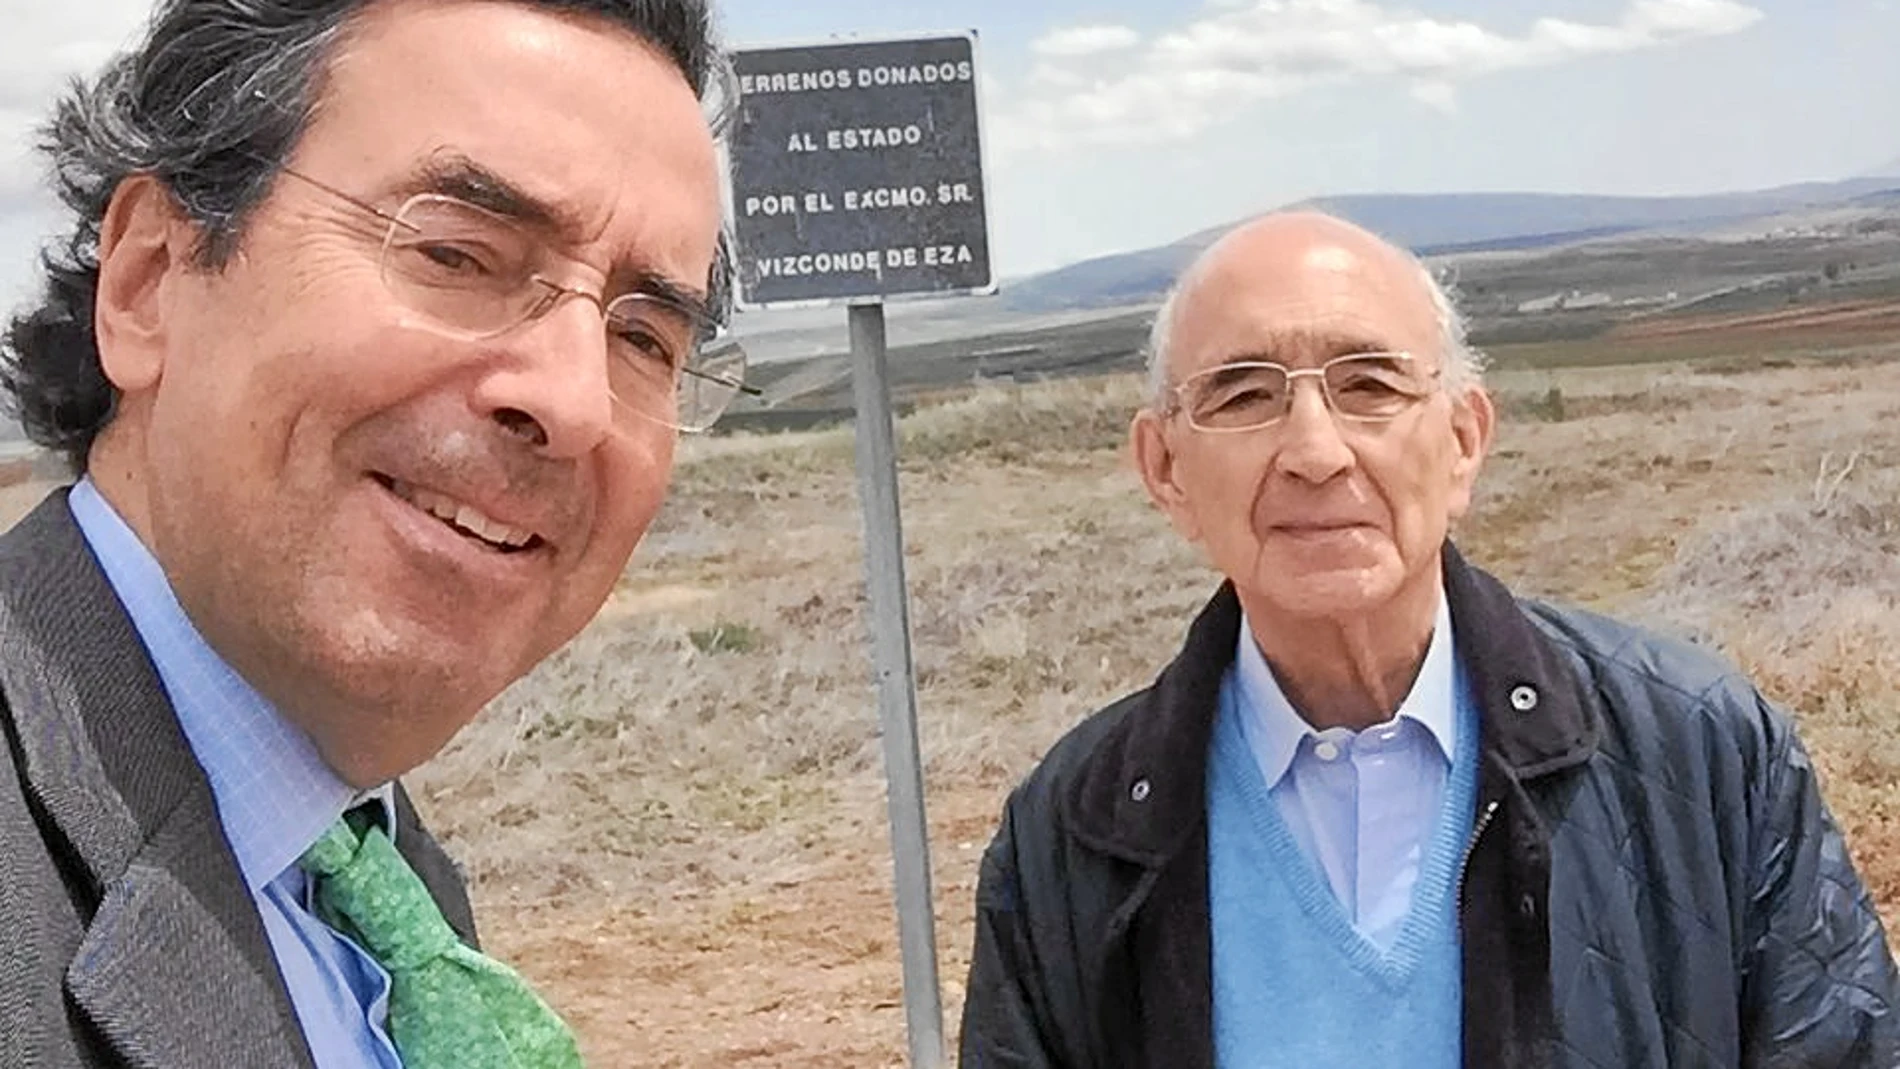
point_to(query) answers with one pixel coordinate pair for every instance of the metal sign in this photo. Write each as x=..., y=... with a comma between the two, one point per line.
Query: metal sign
x=857, y=172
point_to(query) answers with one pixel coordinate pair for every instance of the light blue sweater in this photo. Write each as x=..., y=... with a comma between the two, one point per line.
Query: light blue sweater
x=1294, y=983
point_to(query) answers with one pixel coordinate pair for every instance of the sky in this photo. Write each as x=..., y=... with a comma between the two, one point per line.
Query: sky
x=1121, y=124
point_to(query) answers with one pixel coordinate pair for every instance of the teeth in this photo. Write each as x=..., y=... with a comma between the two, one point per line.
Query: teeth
x=463, y=516
x=470, y=520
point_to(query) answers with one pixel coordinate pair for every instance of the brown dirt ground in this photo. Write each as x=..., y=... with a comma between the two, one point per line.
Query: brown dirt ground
x=787, y=976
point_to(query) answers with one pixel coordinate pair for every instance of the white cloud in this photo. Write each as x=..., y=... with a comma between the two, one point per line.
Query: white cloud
x=1105, y=85
x=1439, y=96
x=1077, y=41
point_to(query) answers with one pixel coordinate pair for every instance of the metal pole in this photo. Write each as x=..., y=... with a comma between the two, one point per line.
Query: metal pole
x=896, y=684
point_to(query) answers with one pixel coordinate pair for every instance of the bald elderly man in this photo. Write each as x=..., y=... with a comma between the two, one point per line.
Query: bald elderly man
x=1378, y=811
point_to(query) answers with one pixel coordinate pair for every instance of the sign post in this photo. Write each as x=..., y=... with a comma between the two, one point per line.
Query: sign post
x=856, y=175
x=896, y=686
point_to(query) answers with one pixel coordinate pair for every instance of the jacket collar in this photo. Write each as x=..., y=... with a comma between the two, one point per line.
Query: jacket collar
x=1141, y=795
x=1530, y=701
x=115, y=783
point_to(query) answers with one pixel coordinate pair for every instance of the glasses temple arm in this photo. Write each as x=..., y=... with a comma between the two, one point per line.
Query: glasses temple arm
x=742, y=387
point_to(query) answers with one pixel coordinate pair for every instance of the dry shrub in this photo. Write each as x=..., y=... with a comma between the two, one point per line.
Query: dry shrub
x=1784, y=567
x=1015, y=424
x=1803, y=591
x=647, y=755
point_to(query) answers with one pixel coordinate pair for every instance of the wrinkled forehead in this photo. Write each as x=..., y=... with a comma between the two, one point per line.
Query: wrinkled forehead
x=1301, y=304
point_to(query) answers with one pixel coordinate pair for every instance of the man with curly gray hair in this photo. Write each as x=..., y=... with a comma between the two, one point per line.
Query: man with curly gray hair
x=368, y=347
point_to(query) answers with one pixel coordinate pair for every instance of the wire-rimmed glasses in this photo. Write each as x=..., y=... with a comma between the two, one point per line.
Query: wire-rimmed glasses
x=475, y=274
x=1246, y=395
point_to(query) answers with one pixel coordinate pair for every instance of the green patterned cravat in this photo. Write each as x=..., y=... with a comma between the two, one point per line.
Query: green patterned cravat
x=450, y=1007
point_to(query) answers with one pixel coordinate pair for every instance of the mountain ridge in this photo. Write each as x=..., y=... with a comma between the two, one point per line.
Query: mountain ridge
x=1438, y=223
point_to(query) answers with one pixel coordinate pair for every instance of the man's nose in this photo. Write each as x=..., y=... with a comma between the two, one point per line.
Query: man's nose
x=550, y=380
x=1311, y=447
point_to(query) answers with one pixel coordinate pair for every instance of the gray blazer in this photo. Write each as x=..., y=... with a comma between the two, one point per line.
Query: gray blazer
x=127, y=937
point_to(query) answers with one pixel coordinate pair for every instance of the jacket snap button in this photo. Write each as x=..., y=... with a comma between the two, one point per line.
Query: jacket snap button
x=1524, y=699
x=1528, y=907
x=1140, y=791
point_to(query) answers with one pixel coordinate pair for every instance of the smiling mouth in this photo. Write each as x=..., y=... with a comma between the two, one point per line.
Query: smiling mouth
x=463, y=519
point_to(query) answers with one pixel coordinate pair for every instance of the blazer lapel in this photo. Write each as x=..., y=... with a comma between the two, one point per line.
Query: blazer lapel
x=156, y=935
x=174, y=970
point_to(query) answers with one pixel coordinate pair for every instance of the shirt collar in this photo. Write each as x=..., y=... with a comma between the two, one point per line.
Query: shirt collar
x=1275, y=729
x=274, y=793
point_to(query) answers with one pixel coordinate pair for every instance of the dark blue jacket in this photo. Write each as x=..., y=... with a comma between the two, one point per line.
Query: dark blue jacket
x=1653, y=879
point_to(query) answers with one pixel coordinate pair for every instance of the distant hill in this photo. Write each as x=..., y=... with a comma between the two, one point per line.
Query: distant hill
x=1890, y=169
x=1440, y=223
x=1105, y=282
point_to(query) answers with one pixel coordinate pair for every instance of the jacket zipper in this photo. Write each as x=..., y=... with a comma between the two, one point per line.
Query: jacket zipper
x=1471, y=847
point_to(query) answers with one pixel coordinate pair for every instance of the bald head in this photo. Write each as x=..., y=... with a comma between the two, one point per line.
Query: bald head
x=1309, y=273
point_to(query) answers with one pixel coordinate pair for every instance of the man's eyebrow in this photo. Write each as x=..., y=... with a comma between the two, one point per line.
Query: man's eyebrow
x=455, y=175
x=1282, y=346
x=690, y=299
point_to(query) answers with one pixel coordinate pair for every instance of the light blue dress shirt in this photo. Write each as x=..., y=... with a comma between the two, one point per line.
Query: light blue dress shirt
x=1361, y=805
x=274, y=795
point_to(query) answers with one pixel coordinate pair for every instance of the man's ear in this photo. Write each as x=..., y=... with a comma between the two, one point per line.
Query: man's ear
x=144, y=243
x=1473, y=423
x=1155, y=459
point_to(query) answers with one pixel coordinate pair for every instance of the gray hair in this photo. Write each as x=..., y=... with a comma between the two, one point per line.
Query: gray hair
x=1464, y=365
x=211, y=103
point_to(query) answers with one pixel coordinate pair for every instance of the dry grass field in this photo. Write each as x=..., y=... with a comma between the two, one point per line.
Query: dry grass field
x=677, y=826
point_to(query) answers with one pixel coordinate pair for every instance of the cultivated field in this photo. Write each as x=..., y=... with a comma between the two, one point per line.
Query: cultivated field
x=677, y=826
